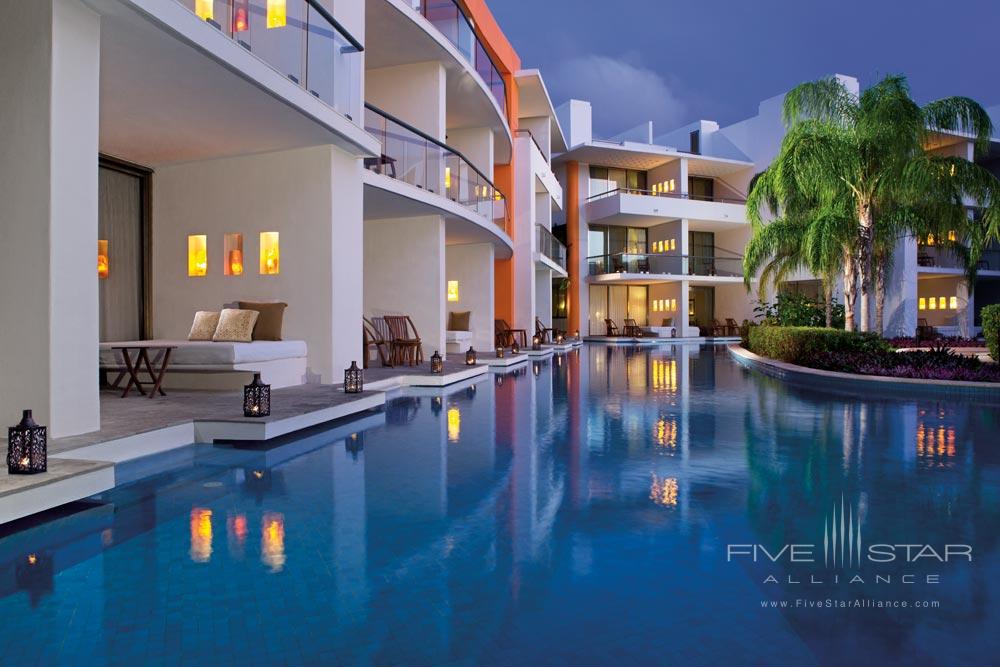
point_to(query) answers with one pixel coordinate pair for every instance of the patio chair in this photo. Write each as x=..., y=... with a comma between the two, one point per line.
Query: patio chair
x=506, y=337
x=631, y=328
x=717, y=328
x=732, y=327
x=612, y=329
x=924, y=330
x=406, y=346
x=543, y=332
x=373, y=337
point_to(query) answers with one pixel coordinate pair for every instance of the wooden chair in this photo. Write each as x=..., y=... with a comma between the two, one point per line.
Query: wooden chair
x=631, y=328
x=609, y=324
x=924, y=330
x=717, y=328
x=373, y=337
x=406, y=345
x=543, y=332
x=505, y=336
x=732, y=327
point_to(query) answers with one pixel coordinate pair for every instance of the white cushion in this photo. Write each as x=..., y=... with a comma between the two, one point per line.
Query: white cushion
x=659, y=332
x=457, y=336
x=210, y=353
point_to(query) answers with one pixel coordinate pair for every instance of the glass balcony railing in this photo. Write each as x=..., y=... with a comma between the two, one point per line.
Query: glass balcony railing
x=661, y=263
x=416, y=158
x=674, y=195
x=299, y=38
x=550, y=246
x=450, y=20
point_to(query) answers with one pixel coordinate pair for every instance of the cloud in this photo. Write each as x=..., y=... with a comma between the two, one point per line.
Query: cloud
x=623, y=93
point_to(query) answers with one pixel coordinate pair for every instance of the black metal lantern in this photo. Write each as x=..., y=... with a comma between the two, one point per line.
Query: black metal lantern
x=437, y=363
x=257, y=398
x=354, y=380
x=576, y=334
x=470, y=357
x=559, y=339
x=354, y=444
x=499, y=351
x=536, y=342
x=515, y=348
x=27, y=450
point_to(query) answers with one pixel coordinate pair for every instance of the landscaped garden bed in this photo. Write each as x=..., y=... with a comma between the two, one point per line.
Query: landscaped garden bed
x=864, y=354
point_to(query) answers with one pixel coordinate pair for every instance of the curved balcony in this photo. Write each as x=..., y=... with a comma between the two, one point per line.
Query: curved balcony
x=665, y=267
x=413, y=157
x=552, y=249
x=642, y=208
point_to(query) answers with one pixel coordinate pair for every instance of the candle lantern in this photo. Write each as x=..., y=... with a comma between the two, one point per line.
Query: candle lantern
x=354, y=381
x=470, y=357
x=26, y=447
x=560, y=338
x=354, y=444
x=499, y=351
x=257, y=398
x=515, y=348
x=576, y=334
x=536, y=342
x=437, y=363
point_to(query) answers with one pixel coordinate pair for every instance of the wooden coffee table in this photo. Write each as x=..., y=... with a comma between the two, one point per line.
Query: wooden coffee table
x=157, y=367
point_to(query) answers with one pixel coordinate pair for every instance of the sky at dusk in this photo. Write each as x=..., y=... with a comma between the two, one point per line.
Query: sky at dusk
x=675, y=62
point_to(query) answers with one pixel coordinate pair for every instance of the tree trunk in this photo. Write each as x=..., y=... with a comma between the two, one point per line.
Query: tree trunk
x=828, y=301
x=866, y=236
x=850, y=288
x=880, y=294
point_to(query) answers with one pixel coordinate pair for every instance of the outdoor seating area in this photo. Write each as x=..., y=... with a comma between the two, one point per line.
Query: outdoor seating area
x=505, y=336
x=394, y=338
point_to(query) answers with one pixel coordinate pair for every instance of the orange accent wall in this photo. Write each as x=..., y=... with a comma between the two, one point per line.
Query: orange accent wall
x=572, y=202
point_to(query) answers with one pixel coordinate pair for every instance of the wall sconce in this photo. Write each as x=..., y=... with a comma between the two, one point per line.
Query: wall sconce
x=953, y=302
x=941, y=302
x=241, y=15
x=354, y=381
x=452, y=290
x=932, y=304
x=921, y=303
x=447, y=178
x=257, y=398
x=233, y=259
x=277, y=14
x=102, y=258
x=27, y=447
x=470, y=357
x=437, y=363
x=204, y=9
x=270, y=254
x=197, y=255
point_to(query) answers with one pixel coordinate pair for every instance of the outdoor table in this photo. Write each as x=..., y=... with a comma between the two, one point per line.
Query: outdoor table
x=157, y=367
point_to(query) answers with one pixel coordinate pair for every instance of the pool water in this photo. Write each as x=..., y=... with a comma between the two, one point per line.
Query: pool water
x=596, y=508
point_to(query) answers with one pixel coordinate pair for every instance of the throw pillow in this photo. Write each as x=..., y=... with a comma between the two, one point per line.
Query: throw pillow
x=269, y=320
x=459, y=321
x=235, y=326
x=204, y=325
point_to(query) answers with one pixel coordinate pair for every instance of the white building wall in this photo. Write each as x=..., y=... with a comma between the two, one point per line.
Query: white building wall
x=472, y=266
x=414, y=93
x=48, y=190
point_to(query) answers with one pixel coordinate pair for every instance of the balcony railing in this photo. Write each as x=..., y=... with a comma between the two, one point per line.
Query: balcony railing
x=550, y=246
x=675, y=195
x=524, y=132
x=450, y=20
x=663, y=263
x=416, y=158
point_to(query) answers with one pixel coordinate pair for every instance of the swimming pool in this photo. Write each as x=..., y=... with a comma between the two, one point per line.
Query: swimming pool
x=605, y=506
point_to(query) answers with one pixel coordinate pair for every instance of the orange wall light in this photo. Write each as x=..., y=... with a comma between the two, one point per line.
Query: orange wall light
x=270, y=254
x=197, y=255
x=233, y=255
x=103, y=266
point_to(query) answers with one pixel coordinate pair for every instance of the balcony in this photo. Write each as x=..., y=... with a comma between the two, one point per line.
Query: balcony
x=410, y=156
x=663, y=265
x=551, y=247
x=932, y=258
x=298, y=38
x=644, y=208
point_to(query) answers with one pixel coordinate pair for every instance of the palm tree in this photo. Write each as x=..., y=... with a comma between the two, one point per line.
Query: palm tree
x=866, y=155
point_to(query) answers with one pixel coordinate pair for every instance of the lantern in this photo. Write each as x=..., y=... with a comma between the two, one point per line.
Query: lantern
x=257, y=398
x=354, y=379
x=499, y=380
x=499, y=351
x=26, y=447
x=437, y=364
x=576, y=334
x=470, y=357
x=536, y=342
x=559, y=339
x=515, y=348
x=354, y=444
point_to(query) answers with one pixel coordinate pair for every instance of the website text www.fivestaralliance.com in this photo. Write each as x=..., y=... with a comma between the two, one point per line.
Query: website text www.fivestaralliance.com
x=849, y=603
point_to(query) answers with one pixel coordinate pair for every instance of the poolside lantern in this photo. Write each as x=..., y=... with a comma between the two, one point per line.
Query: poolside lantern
x=354, y=444
x=499, y=380
x=257, y=398
x=437, y=363
x=576, y=334
x=470, y=357
x=559, y=339
x=536, y=342
x=354, y=381
x=515, y=348
x=499, y=351
x=27, y=450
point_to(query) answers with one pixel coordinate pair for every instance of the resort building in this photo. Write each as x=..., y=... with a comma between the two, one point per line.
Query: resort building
x=350, y=159
x=656, y=228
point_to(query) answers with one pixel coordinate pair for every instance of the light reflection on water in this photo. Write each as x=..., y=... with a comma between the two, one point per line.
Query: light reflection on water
x=577, y=512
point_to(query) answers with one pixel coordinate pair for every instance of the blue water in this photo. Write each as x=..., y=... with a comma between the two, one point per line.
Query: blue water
x=579, y=511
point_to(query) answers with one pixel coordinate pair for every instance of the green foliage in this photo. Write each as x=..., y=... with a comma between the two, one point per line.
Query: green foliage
x=796, y=345
x=991, y=329
x=799, y=310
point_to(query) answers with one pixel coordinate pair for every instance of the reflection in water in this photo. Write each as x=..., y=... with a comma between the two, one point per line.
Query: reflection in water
x=663, y=491
x=236, y=532
x=272, y=541
x=454, y=424
x=201, y=534
x=665, y=433
x=355, y=444
x=35, y=574
x=664, y=375
x=935, y=438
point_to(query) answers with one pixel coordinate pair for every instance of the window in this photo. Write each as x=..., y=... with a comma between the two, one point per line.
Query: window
x=608, y=179
x=701, y=188
x=696, y=142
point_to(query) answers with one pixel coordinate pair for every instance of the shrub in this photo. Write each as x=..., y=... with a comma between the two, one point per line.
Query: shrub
x=991, y=329
x=936, y=364
x=797, y=345
x=951, y=341
x=798, y=310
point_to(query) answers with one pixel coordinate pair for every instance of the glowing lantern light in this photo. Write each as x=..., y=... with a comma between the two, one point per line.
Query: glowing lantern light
x=277, y=14
x=102, y=258
x=205, y=9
